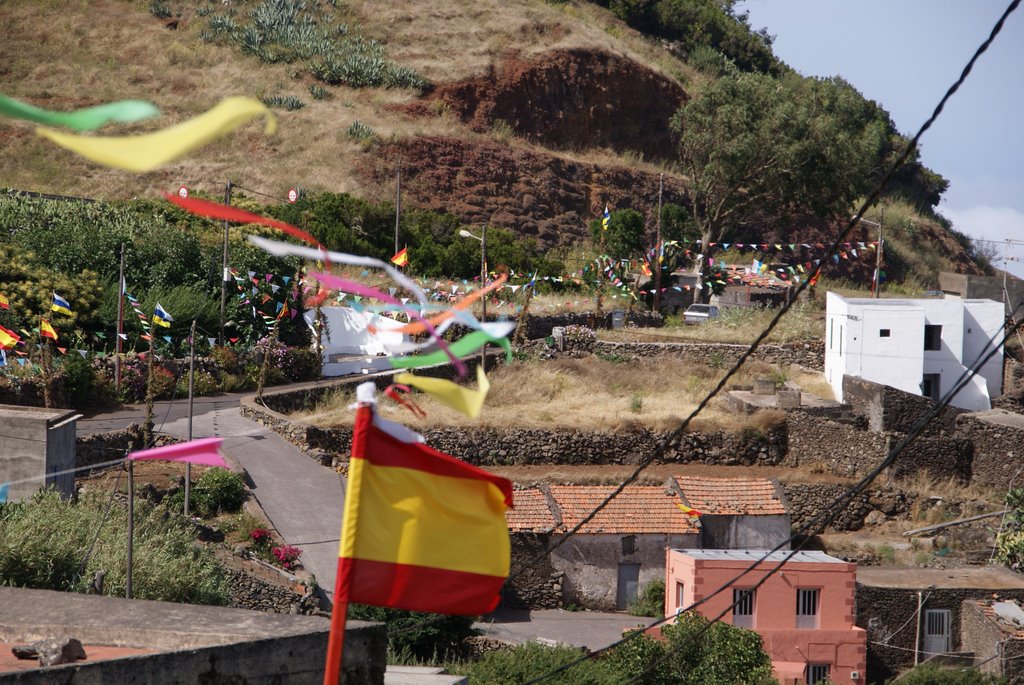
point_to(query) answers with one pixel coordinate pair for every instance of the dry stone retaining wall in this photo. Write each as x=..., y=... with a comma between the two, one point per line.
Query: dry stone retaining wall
x=997, y=450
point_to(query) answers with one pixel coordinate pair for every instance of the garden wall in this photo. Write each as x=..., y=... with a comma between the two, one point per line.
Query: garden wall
x=533, y=582
x=997, y=450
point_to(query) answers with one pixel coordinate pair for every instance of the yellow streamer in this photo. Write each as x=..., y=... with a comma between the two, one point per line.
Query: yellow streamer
x=147, y=152
x=463, y=400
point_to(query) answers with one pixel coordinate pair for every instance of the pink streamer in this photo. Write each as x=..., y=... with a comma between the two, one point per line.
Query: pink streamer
x=332, y=281
x=203, y=451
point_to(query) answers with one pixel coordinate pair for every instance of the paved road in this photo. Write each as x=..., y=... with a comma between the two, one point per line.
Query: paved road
x=590, y=629
x=302, y=499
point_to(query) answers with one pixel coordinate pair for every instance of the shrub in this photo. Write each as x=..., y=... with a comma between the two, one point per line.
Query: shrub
x=935, y=674
x=528, y=661
x=419, y=634
x=651, y=601
x=288, y=103
x=319, y=92
x=217, y=490
x=46, y=541
x=357, y=130
x=301, y=364
x=79, y=378
x=287, y=556
x=165, y=383
x=225, y=358
x=260, y=537
x=203, y=385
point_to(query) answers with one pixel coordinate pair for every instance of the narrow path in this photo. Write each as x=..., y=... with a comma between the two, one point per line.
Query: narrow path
x=302, y=499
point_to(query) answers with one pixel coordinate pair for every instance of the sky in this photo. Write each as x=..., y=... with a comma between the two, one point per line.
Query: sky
x=905, y=54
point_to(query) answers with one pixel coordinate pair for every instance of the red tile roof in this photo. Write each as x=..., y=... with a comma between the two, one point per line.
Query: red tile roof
x=531, y=513
x=731, y=496
x=637, y=509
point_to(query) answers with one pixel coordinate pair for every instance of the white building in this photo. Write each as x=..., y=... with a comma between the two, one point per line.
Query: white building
x=918, y=346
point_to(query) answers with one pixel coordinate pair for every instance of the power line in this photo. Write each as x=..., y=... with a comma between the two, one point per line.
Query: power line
x=674, y=437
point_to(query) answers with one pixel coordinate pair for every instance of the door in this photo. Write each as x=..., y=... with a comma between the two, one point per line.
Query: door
x=936, y=631
x=629, y=585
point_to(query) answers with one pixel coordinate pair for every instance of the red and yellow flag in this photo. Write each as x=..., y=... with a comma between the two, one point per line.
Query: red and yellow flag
x=8, y=339
x=423, y=530
x=401, y=258
x=46, y=330
x=688, y=510
x=4, y=304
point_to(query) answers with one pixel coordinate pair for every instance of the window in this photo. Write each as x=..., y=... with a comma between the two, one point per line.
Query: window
x=743, y=608
x=628, y=544
x=932, y=337
x=883, y=333
x=817, y=673
x=831, y=327
x=807, y=609
x=840, y=341
x=680, y=602
x=930, y=386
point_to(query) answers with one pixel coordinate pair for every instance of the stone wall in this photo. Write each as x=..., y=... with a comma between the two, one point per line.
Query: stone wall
x=541, y=326
x=888, y=615
x=533, y=583
x=889, y=409
x=997, y=450
x=809, y=500
x=251, y=592
x=849, y=451
x=100, y=447
x=27, y=391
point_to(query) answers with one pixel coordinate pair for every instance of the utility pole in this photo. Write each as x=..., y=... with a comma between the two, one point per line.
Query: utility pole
x=131, y=530
x=227, y=273
x=483, y=284
x=878, y=258
x=398, y=203
x=191, y=396
x=657, y=248
x=120, y=325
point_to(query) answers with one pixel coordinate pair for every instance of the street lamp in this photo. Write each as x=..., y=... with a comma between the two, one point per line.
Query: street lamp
x=463, y=233
x=876, y=281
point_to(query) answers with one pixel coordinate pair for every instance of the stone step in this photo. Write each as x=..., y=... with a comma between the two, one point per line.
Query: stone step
x=421, y=675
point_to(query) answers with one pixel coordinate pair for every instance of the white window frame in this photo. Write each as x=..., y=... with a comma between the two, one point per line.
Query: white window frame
x=744, y=604
x=808, y=608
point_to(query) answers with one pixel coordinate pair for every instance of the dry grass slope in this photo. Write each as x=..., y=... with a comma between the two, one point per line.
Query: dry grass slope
x=589, y=394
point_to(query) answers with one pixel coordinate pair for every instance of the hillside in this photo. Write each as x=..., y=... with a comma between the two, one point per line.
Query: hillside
x=534, y=117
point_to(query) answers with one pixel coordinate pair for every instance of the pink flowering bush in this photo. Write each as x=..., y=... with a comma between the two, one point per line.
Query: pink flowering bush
x=260, y=537
x=287, y=556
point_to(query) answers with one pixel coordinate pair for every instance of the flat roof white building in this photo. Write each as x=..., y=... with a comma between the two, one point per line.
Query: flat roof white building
x=918, y=346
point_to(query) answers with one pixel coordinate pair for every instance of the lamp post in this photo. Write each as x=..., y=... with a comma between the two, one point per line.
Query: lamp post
x=463, y=233
x=876, y=281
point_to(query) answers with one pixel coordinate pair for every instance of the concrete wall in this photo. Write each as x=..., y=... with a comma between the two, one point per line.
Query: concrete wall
x=743, y=532
x=36, y=442
x=971, y=286
x=196, y=644
x=590, y=563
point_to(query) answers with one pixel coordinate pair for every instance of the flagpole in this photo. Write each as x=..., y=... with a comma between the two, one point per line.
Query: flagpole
x=131, y=529
x=336, y=637
x=120, y=325
x=191, y=395
x=657, y=250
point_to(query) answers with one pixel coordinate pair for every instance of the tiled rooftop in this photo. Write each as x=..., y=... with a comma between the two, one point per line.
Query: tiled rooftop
x=531, y=513
x=638, y=509
x=731, y=496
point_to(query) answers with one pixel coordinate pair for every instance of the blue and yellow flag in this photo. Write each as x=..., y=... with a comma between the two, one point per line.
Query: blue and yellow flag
x=161, y=317
x=605, y=219
x=60, y=305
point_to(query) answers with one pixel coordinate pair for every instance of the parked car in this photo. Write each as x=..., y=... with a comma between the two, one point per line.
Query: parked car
x=700, y=313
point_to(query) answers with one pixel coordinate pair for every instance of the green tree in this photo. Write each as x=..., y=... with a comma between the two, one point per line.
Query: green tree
x=625, y=235
x=715, y=653
x=756, y=150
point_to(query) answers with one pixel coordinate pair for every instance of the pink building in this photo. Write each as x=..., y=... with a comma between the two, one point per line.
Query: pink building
x=804, y=613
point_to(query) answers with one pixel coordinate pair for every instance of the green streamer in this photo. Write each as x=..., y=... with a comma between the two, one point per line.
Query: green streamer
x=87, y=119
x=465, y=345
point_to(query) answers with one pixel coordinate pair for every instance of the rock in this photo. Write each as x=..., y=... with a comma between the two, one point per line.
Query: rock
x=874, y=518
x=52, y=652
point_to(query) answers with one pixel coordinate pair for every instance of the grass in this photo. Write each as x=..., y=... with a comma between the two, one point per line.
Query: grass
x=573, y=393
